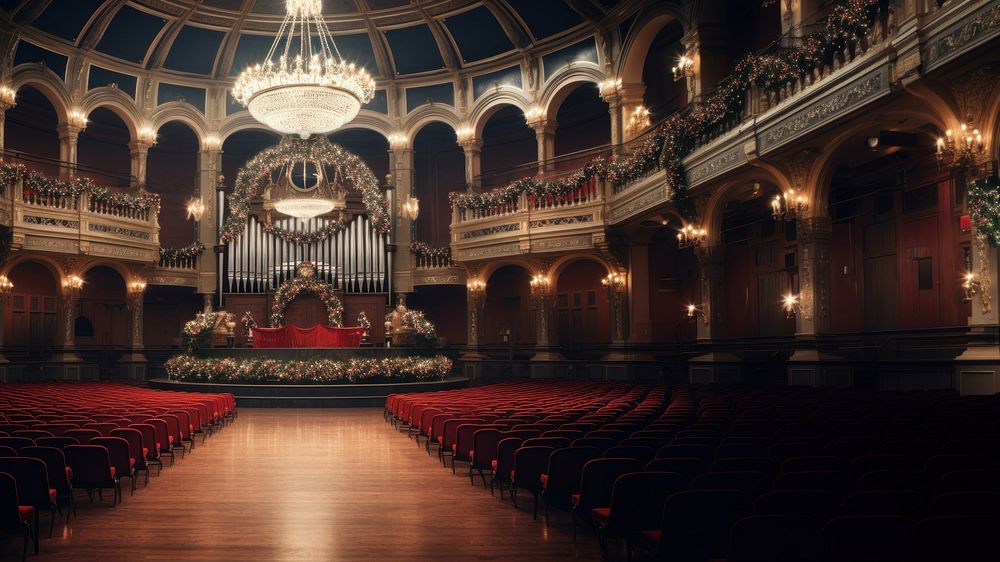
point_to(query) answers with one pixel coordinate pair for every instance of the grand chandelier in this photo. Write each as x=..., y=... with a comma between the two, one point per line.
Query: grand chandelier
x=304, y=86
x=304, y=190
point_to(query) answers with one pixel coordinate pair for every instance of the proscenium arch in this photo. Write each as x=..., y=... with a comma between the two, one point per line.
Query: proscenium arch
x=635, y=47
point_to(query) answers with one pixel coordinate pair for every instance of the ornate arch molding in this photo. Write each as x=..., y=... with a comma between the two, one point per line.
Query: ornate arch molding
x=426, y=114
x=116, y=101
x=183, y=113
x=636, y=45
x=564, y=82
x=45, y=81
x=292, y=288
x=485, y=107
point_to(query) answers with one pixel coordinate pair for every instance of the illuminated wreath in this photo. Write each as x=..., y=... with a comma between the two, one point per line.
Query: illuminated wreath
x=256, y=174
x=290, y=289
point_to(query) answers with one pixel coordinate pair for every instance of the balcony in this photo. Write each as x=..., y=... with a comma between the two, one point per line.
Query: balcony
x=436, y=270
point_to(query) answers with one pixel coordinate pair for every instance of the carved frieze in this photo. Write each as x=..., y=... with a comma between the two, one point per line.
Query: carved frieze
x=559, y=244
x=487, y=252
x=726, y=161
x=561, y=221
x=650, y=199
x=976, y=28
x=49, y=221
x=121, y=252
x=118, y=231
x=51, y=245
x=491, y=230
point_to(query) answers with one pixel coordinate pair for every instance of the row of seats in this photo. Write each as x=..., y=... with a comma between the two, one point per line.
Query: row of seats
x=708, y=472
x=56, y=438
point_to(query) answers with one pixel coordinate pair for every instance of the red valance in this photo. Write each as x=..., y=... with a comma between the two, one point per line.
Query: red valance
x=317, y=336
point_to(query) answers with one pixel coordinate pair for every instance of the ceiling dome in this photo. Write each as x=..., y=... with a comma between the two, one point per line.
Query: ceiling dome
x=390, y=38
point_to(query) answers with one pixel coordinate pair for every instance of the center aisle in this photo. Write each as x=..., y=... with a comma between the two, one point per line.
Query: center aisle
x=310, y=484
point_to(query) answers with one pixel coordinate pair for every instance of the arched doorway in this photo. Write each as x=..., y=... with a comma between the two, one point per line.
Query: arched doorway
x=103, y=305
x=31, y=310
x=584, y=124
x=582, y=311
x=673, y=285
x=103, y=149
x=438, y=168
x=172, y=172
x=508, y=311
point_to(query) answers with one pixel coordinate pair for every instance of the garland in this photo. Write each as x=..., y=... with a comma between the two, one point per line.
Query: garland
x=984, y=208
x=675, y=138
x=290, y=289
x=315, y=371
x=197, y=333
x=253, y=177
x=415, y=320
x=40, y=183
x=190, y=251
x=249, y=323
x=426, y=251
x=363, y=322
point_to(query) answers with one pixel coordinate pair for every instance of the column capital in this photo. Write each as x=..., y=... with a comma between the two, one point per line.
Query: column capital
x=69, y=131
x=141, y=146
x=543, y=126
x=471, y=144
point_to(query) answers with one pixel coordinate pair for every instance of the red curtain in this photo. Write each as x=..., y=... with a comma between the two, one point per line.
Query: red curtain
x=317, y=336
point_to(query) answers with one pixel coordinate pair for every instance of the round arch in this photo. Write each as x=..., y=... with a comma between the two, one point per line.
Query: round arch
x=636, y=45
x=491, y=267
x=563, y=83
x=559, y=266
x=48, y=263
x=118, y=268
x=715, y=208
x=117, y=102
x=427, y=114
x=489, y=104
x=181, y=112
x=46, y=82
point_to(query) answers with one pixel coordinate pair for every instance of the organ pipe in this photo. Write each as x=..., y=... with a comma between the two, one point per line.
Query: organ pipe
x=355, y=259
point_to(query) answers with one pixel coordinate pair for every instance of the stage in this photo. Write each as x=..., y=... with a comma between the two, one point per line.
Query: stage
x=309, y=377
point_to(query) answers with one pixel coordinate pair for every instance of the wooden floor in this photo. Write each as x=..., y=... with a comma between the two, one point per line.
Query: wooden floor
x=310, y=484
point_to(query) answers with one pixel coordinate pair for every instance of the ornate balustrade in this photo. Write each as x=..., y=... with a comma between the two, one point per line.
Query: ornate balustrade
x=99, y=224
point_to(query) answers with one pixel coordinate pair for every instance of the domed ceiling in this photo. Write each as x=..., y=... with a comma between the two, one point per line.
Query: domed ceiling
x=391, y=38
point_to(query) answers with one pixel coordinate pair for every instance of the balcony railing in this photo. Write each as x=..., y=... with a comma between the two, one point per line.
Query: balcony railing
x=186, y=263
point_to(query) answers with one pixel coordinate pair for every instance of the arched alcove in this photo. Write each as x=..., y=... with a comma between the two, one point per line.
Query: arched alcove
x=673, y=285
x=445, y=307
x=584, y=125
x=30, y=128
x=102, y=301
x=664, y=95
x=172, y=172
x=30, y=314
x=103, y=149
x=370, y=145
x=509, y=148
x=581, y=306
x=438, y=168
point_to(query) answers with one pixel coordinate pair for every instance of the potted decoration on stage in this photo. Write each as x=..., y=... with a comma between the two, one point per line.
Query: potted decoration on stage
x=408, y=327
x=248, y=325
x=365, y=324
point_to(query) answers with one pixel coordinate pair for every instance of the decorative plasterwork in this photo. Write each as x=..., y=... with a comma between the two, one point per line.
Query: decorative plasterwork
x=49, y=221
x=971, y=93
x=168, y=280
x=488, y=252
x=118, y=231
x=830, y=107
x=978, y=27
x=560, y=244
x=640, y=203
x=51, y=245
x=732, y=158
x=489, y=231
x=97, y=249
x=561, y=221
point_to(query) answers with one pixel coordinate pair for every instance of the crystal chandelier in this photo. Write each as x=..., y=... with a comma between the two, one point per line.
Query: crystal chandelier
x=303, y=191
x=304, y=86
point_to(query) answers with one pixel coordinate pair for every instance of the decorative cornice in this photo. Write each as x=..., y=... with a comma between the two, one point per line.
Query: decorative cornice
x=977, y=27
x=649, y=199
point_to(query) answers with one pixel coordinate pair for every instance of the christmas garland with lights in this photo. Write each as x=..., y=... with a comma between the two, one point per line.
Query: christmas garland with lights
x=290, y=289
x=190, y=251
x=255, y=175
x=42, y=184
x=189, y=368
x=984, y=208
x=426, y=251
x=416, y=321
x=675, y=138
x=197, y=333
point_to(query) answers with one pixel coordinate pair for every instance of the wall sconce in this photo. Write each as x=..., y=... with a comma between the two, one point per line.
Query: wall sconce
x=610, y=86
x=410, y=209
x=465, y=134
x=971, y=284
x=8, y=96
x=690, y=236
x=147, y=135
x=6, y=286
x=213, y=142
x=137, y=286
x=398, y=141
x=73, y=284
x=476, y=286
x=614, y=280
x=638, y=121
x=684, y=68
x=789, y=205
x=77, y=118
x=790, y=302
x=964, y=150
x=195, y=208
x=539, y=282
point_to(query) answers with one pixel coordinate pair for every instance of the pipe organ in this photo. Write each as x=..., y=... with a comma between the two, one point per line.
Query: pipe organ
x=355, y=259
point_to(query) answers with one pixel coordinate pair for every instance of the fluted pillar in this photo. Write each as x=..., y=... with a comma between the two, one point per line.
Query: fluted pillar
x=134, y=363
x=67, y=363
x=615, y=109
x=206, y=229
x=713, y=366
x=473, y=150
x=543, y=298
x=69, y=136
x=545, y=138
x=401, y=163
x=475, y=298
x=139, y=150
x=4, y=106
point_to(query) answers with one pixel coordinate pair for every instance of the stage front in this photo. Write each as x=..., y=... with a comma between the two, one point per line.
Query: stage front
x=318, y=336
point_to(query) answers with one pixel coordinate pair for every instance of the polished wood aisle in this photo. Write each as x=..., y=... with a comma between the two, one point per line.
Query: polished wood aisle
x=309, y=484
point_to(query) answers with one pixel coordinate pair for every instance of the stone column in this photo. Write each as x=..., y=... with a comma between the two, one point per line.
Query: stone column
x=134, y=363
x=545, y=137
x=4, y=362
x=401, y=163
x=473, y=149
x=542, y=295
x=139, y=150
x=810, y=364
x=615, y=105
x=209, y=178
x=631, y=98
x=977, y=369
x=475, y=297
x=67, y=363
x=713, y=365
x=69, y=136
x=5, y=104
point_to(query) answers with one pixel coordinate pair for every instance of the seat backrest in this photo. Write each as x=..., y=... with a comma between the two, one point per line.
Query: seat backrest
x=173, y=427
x=57, y=442
x=868, y=463
x=55, y=465
x=506, y=449
x=148, y=433
x=812, y=464
x=696, y=524
x=704, y=452
x=554, y=442
x=754, y=464
x=6, y=451
x=904, y=503
x=134, y=439
x=939, y=465
x=104, y=428
x=956, y=538
x=829, y=480
x=774, y=538
x=57, y=429
x=31, y=477
x=598, y=478
x=984, y=479
x=83, y=435
x=820, y=505
x=91, y=465
x=10, y=515
x=740, y=450
x=162, y=433
x=641, y=454
x=118, y=453
x=32, y=434
x=753, y=483
x=484, y=446
x=564, y=470
x=601, y=443
x=638, y=497
x=529, y=464
x=968, y=503
x=17, y=443
x=867, y=537
x=450, y=430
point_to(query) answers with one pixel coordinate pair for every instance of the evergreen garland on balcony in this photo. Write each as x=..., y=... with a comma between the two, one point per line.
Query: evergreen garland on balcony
x=674, y=139
x=40, y=183
x=426, y=251
x=190, y=251
x=984, y=208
